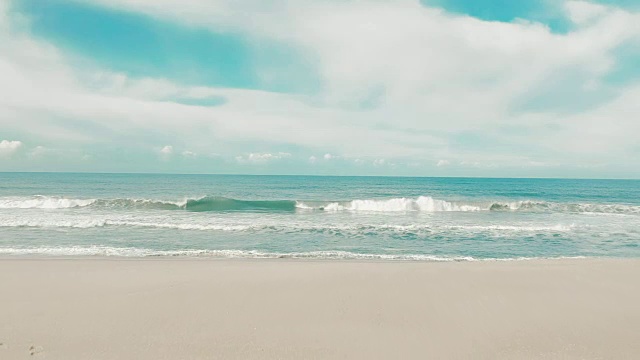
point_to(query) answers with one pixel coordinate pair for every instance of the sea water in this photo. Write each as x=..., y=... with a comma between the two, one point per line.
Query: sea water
x=437, y=219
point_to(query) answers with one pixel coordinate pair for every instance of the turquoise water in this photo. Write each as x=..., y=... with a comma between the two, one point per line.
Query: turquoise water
x=317, y=217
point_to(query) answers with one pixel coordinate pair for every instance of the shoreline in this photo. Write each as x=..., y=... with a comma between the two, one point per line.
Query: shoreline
x=332, y=255
x=538, y=261
x=209, y=308
x=374, y=260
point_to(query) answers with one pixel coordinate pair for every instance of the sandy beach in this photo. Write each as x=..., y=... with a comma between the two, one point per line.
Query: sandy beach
x=105, y=308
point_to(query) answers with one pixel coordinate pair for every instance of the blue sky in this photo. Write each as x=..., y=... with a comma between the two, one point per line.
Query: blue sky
x=415, y=88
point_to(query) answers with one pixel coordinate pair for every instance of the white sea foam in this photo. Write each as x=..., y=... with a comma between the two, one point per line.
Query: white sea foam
x=43, y=202
x=515, y=228
x=182, y=226
x=56, y=202
x=52, y=223
x=429, y=204
x=303, y=206
x=85, y=222
x=529, y=205
x=92, y=223
x=107, y=251
x=212, y=203
x=422, y=203
x=249, y=254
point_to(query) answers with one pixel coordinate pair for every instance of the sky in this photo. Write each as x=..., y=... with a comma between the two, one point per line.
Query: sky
x=493, y=88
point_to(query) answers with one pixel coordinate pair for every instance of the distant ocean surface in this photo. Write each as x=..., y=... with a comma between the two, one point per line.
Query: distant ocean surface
x=436, y=219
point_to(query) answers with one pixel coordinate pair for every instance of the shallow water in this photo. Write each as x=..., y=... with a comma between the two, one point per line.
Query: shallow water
x=317, y=217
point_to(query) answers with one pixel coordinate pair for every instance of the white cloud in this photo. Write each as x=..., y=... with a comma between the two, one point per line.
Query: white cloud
x=189, y=154
x=442, y=163
x=406, y=47
x=379, y=162
x=399, y=80
x=40, y=152
x=479, y=164
x=581, y=12
x=262, y=157
x=312, y=159
x=9, y=147
x=166, y=150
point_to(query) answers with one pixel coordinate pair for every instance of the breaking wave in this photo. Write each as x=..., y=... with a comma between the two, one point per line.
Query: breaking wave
x=207, y=203
x=429, y=204
x=43, y=202
x=423, y=203
x=224, y=204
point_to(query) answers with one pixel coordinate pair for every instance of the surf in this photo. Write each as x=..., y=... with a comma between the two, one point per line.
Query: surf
x=426, y=204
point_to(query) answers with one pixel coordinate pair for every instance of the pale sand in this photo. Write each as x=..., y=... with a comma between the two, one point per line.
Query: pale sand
x=284, y=309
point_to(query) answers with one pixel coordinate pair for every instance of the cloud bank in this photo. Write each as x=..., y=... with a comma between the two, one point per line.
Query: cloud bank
x=399, y=82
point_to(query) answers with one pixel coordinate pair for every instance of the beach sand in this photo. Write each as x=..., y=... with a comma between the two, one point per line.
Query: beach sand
x=106, y=308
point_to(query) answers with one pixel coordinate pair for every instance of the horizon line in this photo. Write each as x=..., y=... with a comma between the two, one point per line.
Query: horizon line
x=317, y=175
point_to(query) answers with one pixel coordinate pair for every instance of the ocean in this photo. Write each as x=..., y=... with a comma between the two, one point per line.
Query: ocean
x=317, y=217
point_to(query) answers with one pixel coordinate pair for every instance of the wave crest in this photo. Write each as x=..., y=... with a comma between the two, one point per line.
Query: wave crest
x=43, y=202
x=544, y=206
x=207, y=203
x=224, y=204
x=423, y=203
